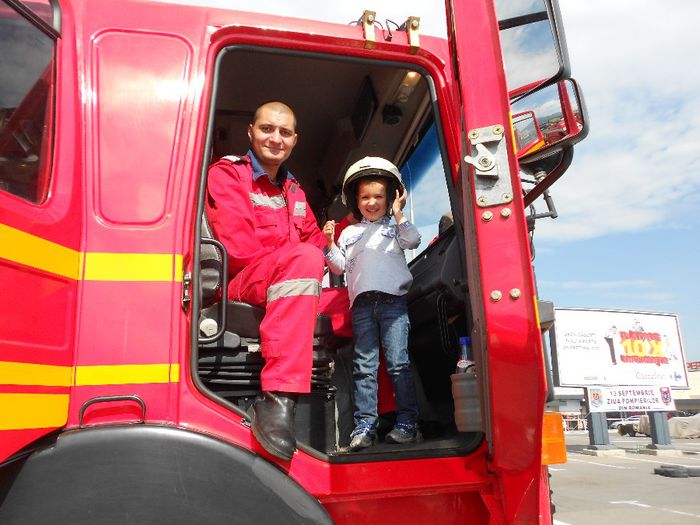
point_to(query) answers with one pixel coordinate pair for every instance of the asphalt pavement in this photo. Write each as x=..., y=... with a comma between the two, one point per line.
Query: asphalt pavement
x=623, y=489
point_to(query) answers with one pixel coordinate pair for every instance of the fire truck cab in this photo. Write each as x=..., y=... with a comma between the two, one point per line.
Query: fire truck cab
x=125, y=378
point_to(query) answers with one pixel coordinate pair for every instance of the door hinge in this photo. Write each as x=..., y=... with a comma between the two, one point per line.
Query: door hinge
x=489, y=156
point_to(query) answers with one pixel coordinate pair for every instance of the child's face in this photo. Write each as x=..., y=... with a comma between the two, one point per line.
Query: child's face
x=371, y=199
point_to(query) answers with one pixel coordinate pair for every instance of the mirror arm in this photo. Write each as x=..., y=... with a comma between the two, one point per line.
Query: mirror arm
x=551, y=209
x=551, y=178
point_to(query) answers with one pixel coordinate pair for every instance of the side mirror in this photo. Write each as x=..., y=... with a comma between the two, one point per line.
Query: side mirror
x=533, y=44
x=549, y=119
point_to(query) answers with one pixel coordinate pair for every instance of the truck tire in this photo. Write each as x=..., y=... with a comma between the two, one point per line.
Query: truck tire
x=678, y=471
x=149, y=474
x=672, y=471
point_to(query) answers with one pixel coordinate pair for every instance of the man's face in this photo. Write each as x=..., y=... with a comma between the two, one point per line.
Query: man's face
x=371, y=199
x=272, y=136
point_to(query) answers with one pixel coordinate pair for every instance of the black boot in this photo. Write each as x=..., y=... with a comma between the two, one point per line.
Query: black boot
x=272, y=422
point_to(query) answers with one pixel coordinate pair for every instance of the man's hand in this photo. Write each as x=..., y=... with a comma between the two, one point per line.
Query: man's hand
x=329, y=232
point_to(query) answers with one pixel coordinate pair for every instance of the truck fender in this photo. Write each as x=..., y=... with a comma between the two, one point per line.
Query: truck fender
x=150, y=474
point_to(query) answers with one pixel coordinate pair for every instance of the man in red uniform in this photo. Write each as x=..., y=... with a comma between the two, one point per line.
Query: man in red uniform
x=259, y=212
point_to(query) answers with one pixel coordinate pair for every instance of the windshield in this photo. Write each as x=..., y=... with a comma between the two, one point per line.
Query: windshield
x=428, y=198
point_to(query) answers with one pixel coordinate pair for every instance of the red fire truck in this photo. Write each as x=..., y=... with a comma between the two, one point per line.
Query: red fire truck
x=124, y=379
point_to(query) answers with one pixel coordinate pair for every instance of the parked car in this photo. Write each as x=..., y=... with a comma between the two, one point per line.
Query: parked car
x=633, y=420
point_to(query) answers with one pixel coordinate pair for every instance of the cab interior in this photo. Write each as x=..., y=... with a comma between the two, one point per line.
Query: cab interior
x=347, y=109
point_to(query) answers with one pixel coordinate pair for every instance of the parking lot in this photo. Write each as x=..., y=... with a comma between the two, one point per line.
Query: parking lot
x=614, y=490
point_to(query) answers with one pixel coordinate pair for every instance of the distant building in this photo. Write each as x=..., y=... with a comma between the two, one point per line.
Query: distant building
x=689, y=400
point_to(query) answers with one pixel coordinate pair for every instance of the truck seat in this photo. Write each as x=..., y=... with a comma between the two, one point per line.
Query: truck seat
x=231, y=366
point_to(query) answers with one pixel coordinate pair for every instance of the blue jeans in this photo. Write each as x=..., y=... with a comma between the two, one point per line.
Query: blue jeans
x=380, y=318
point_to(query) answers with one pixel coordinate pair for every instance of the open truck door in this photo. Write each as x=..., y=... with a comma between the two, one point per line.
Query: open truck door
x=506, y=331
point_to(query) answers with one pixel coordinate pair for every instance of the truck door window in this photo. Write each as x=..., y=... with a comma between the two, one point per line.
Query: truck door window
x=428, y=199
x=26, y=82
x=44, y=10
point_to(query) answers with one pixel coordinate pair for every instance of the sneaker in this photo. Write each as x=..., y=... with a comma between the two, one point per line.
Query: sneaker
x=404, y=433
x=364, y=435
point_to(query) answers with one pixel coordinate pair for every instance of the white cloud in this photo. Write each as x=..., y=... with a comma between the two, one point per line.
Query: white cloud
x=432, y=13
x=636, y=62
x=507, y=9
x=635, y=291
x=659, y=298
x=598, y=285
x=640, y=166
x=525, y=64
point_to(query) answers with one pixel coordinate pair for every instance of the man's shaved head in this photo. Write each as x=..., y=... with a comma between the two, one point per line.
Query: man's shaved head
x=277, y=107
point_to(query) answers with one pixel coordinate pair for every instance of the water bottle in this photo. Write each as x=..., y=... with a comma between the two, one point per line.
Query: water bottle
x=465, y=363
x=465, y=391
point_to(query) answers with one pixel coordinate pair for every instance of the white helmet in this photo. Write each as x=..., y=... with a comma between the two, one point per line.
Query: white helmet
x=370, y=167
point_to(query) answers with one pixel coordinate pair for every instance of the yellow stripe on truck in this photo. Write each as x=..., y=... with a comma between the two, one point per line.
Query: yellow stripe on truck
x=33, y=411
x=35, y=252
x=132, y=267
x=34, y=374
x=123, y=374
x=30, y=374
x=29, y=250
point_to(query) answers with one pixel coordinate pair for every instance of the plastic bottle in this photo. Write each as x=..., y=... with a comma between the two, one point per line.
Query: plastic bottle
x=465, y=391
x=465, y=363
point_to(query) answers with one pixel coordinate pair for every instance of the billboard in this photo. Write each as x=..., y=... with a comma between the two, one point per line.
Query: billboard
x=616, y=347
x=630, y=398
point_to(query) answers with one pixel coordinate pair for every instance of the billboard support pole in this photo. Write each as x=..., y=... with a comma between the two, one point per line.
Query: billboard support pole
x=660, y=433
x=598, y=437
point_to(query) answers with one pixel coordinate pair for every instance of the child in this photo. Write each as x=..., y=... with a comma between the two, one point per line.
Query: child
x=371, y=254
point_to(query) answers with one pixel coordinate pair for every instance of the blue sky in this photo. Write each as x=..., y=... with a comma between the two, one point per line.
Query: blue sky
x=628, y=234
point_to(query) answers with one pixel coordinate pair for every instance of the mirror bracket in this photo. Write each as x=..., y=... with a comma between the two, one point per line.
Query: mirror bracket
x=490, y=161
x=368, y=19
x=412, y=26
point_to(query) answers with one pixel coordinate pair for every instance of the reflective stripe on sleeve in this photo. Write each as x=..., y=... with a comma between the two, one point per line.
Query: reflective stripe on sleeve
x=294, y=287
x=268, y=201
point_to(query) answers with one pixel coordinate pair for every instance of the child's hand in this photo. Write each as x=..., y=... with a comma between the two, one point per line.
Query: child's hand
x=398, y=204
x=329, y=232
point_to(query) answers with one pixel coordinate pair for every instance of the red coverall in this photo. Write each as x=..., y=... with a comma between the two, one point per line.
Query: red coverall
x=275, y=261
